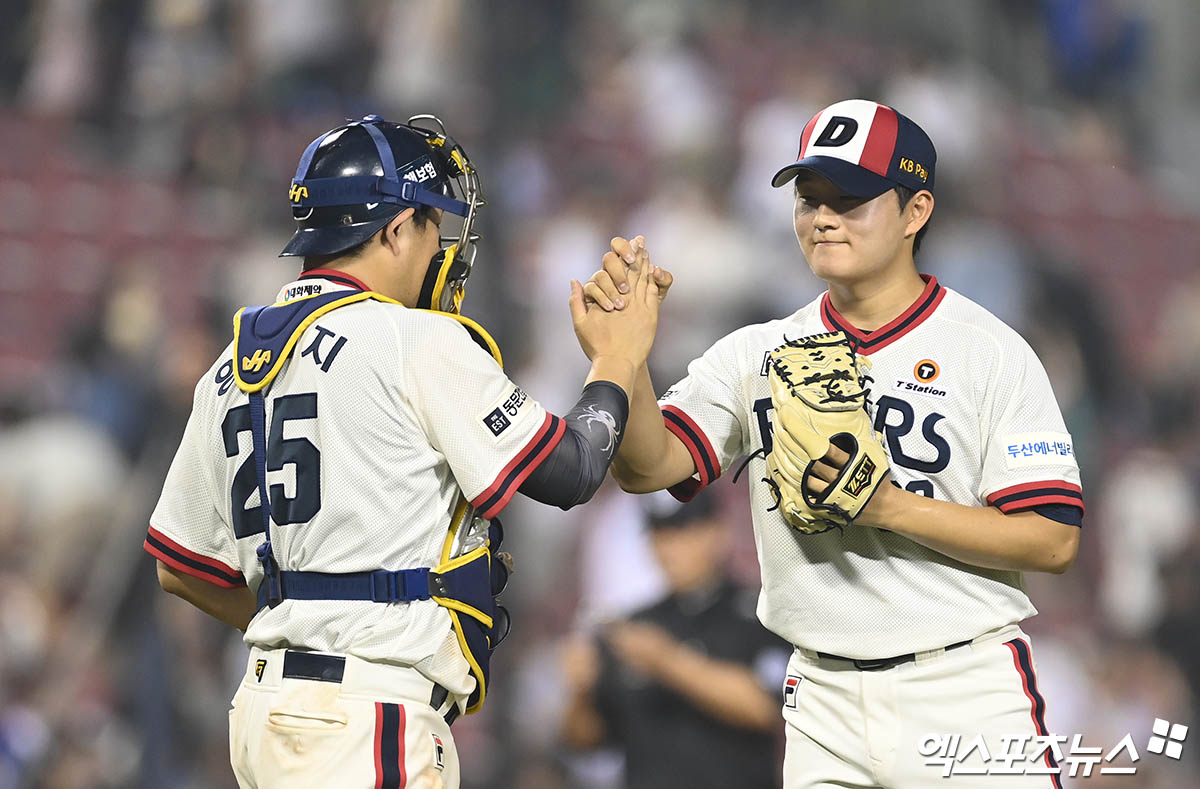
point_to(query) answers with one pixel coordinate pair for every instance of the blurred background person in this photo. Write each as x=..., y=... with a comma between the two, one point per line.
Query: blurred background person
x=688, y=689
x=146, y=149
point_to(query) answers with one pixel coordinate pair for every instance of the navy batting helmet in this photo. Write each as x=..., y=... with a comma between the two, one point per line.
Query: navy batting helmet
x=353, y=180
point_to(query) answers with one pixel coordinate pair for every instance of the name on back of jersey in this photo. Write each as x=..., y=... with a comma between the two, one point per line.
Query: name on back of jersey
x=322, y=349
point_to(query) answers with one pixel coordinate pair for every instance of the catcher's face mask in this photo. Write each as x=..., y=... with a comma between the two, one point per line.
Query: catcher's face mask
x=446, y=279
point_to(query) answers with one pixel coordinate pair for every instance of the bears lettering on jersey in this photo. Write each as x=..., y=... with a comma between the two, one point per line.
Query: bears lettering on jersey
x=894, y=433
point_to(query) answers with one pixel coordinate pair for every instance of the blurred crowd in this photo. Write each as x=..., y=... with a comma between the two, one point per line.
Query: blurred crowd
x=146, y=147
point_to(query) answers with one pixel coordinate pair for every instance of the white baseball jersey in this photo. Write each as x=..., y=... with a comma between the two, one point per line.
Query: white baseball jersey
x=381, y=416
x=969, y=417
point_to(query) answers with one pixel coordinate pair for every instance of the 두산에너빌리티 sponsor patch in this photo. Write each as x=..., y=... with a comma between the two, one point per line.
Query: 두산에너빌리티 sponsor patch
x=1038, y=449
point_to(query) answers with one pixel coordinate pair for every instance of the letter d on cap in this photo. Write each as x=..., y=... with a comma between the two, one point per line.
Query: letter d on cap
x=839, y=131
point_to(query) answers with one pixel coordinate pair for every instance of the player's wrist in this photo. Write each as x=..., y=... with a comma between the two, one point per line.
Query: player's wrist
x=614, y=367
x=882, y=510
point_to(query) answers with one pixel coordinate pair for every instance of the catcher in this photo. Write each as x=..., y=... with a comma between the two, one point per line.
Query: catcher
x=895, y=508
x=336, y=490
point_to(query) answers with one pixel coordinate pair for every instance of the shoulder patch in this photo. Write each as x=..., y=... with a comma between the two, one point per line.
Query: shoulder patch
x=1038, y=449
x=501, y=416
x=496, y=421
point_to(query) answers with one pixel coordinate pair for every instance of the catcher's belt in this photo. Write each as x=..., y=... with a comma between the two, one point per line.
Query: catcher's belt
x=320, y=667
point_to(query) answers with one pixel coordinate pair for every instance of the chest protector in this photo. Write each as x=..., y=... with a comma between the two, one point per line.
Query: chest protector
x=471, y=571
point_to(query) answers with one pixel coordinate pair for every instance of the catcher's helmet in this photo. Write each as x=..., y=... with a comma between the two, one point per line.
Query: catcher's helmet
x=353, y=180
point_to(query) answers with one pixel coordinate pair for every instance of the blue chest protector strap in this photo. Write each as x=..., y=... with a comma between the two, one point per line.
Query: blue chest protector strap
x=270, y=586
x=378, y=586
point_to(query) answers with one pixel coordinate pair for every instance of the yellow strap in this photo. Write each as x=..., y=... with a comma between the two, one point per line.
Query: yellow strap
x=459, y=561
x=475, y=667
x=469, y=610
x=440, y=283
x=456, y=521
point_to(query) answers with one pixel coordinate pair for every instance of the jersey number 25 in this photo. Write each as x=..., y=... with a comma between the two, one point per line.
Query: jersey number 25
x=300, y=452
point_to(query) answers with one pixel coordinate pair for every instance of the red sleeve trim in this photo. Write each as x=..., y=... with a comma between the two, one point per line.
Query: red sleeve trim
x=497, y=495
x=1034, y=494
x=186, y=561
x=696, y=442
x=1028, y=486
x=1037, y=501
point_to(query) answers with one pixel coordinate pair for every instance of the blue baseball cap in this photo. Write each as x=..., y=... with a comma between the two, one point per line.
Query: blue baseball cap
x=865, y=148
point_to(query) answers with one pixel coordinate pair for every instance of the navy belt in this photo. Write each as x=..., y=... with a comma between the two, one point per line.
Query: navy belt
x=379, y=586
x=308, y=665
x=879, y=664
x=331, y=668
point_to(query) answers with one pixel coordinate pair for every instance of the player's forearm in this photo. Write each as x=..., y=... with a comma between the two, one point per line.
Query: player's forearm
x=235, y=607
x=645, y=446
x=726, y=691
x=981, y=536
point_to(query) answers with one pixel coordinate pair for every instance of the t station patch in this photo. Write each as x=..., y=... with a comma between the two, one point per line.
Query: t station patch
x=926, y=370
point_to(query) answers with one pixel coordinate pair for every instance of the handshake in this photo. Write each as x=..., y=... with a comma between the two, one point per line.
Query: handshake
x=615, y=313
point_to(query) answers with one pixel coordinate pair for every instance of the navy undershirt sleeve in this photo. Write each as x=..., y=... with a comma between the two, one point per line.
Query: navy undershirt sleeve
x=1063, y=513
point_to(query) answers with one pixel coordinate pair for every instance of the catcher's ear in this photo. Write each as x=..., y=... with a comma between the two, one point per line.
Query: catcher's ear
x=394, y=229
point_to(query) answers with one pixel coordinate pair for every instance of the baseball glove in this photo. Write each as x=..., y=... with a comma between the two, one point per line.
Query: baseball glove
x=819, y=396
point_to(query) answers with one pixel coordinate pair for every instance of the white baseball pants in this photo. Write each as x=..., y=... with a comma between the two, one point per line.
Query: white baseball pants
x=848, y=727
x=373, y=729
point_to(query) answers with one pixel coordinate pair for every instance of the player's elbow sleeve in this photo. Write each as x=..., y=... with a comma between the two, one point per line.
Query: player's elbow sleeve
x=570, y=475
x=574, y=470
